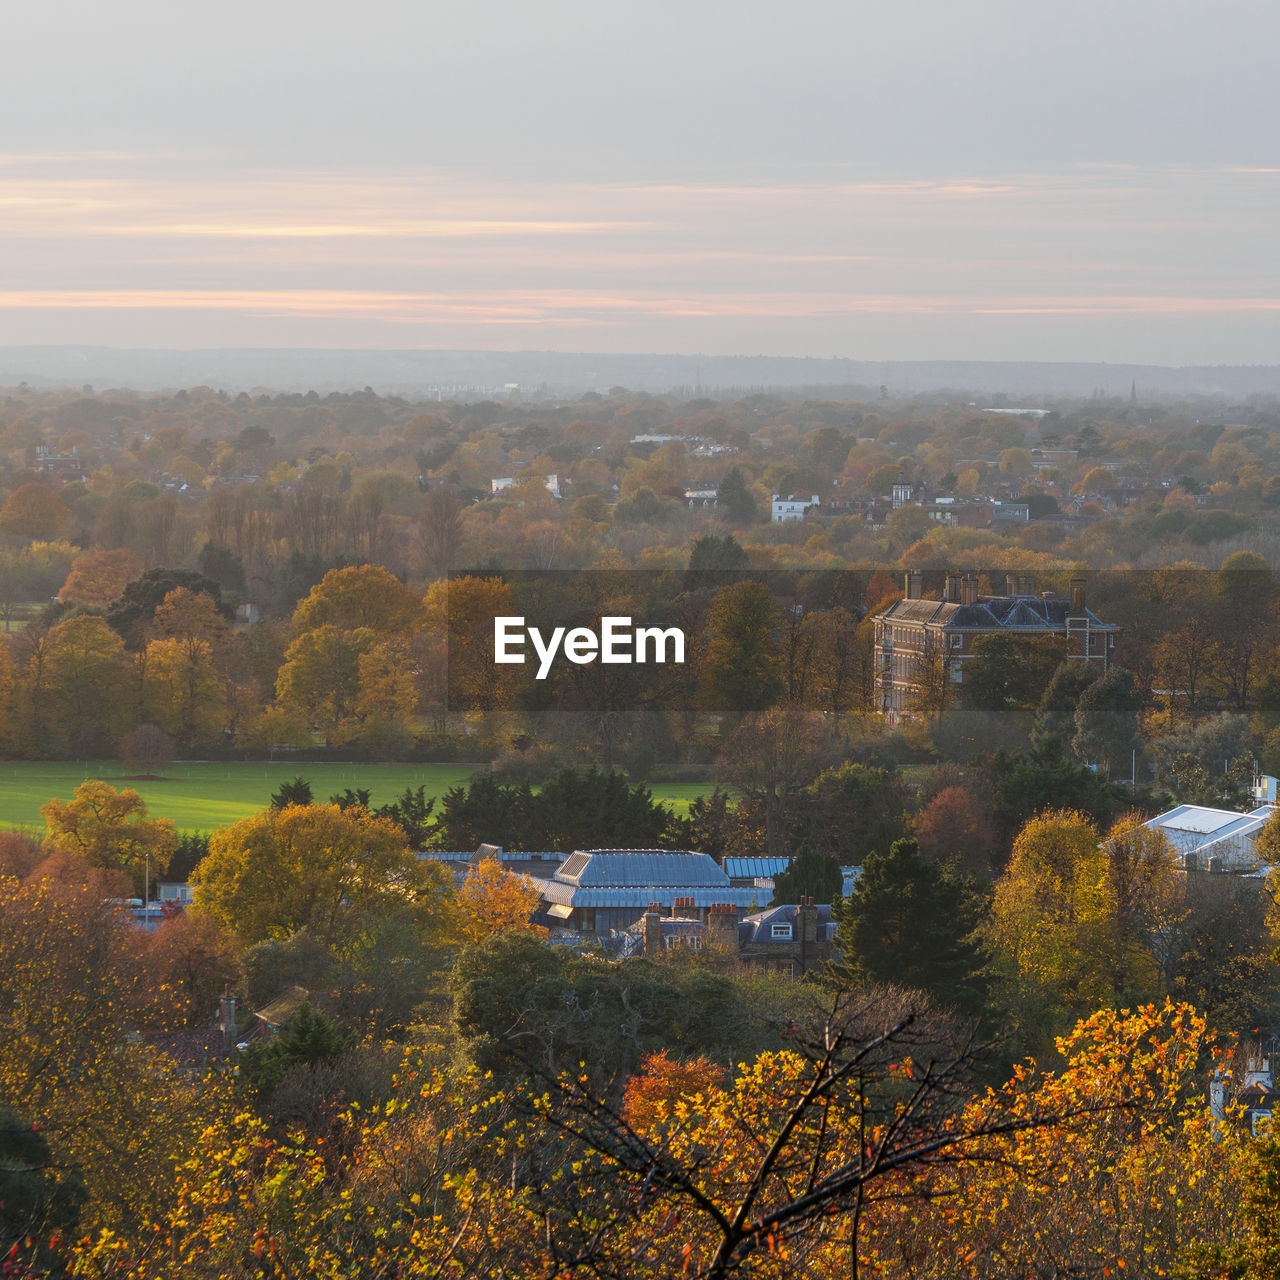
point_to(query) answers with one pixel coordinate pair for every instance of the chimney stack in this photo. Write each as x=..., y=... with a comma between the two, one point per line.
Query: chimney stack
x=914, y=584
x=970, y=588
x=952, y=593
x=653, y=929
x=722, y=926
x=1077, y=598
x=807, y=921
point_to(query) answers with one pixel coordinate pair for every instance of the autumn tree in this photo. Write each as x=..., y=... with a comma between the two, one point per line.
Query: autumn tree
x=98, y=577
x=30, y=575
x=954, y=827
x=314, y=866
x=111, y=829
x=460, y=614
x=358, y=597
x=320, y=678
x=772, y=757
x=72, y=691
x=1077, y=917
x=491, y=901
x=35, y=511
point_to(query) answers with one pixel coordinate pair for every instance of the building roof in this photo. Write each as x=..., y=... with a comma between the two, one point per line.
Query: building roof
x=759, y=927
x=1027, y=613
x=749, y=868
x=639, y=896
x=1196, y=828
x=618, y=868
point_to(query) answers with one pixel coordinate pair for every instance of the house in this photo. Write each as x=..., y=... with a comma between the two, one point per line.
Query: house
x=792, y=508
x=274, y=1017
x=1253, y=1103
x=1208, y=839
x=659, y=932
x=500, y=484
x=598, y=891
x=916, y=635
x=790, y=939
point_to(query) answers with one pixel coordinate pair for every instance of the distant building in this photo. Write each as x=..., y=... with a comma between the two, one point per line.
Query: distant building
x=500, y=484
x=792, y=508
x=597, y=891
x=1208, y=839
x=916, y=632
x=790, y=939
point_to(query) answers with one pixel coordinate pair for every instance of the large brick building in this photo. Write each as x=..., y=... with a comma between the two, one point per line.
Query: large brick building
x=915, y=635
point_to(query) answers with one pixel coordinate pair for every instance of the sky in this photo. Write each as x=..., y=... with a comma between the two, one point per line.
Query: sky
x=905, y=180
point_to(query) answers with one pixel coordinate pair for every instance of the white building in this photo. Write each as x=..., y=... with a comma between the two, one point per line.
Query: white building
x=792, y=508
x=1212, y=839
x=501, y=484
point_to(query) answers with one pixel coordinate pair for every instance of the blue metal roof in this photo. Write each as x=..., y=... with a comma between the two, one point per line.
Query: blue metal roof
x=616, y=868
x=749, y=868
x=639, y=896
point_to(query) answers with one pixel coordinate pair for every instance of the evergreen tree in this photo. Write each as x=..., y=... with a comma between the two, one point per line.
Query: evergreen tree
x=911, y=922
x=1024, y=785
x=734, y=502
x=38, y=1198
x=1107, y=721
x=296, y=792
x=809, y=875
x=717, y=554
x=1055, y=722
x=309, y=1038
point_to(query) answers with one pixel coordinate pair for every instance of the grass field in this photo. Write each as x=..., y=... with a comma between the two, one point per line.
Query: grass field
x=201, y=796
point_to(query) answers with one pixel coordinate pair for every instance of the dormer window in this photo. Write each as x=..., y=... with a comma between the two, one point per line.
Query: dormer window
x=780, y=931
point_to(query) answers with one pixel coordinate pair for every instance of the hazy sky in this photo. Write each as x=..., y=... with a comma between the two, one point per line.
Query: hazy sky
x=912, y=179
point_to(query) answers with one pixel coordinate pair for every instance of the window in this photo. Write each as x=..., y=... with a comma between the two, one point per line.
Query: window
x=957, y=672
x=780, y=931
x=957, y=642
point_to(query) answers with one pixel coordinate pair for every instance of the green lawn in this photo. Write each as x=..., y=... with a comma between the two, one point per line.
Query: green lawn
x=200, y=797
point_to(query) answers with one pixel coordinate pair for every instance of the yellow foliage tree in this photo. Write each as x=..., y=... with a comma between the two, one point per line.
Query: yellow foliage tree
x=320, y=678
x=185, y=695
x=111, y=829
x=365, y=595
x=460, y=613
x=316, y=867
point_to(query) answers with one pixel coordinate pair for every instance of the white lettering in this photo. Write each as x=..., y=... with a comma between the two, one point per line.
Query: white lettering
x=546, y=653
x=581, y=645
x=660, y=638
x=503, y=637
x=615, y=643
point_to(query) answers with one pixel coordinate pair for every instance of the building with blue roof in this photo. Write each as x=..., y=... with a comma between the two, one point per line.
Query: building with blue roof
x=602, y=890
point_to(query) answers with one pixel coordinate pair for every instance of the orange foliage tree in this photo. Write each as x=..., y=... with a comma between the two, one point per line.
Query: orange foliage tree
x=491, y=901
x=98, y=577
